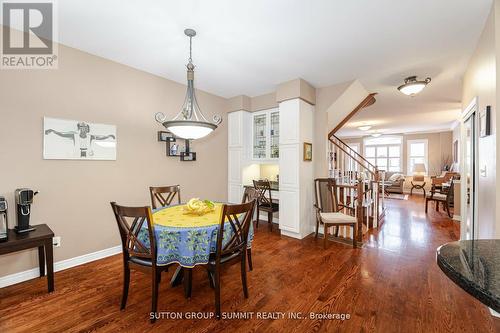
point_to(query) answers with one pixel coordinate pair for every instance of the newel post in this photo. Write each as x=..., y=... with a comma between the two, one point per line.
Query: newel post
x=359, y=211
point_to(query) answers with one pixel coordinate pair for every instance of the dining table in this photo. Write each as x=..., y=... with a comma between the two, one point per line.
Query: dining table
x=187, y=239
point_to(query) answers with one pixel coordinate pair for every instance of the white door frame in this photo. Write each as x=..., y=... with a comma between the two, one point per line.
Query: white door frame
x=466, y=113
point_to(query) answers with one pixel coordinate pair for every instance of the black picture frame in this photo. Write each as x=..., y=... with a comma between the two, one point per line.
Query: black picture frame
x=185, y=157
x=485, y=122
x=164, y=136
x=168, y=146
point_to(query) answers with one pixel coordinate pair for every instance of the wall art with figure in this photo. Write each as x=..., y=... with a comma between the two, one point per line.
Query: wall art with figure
x=78, y=140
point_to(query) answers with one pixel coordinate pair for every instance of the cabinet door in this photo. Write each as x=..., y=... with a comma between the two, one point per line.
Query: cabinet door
x=275, y=135
x=259, y=136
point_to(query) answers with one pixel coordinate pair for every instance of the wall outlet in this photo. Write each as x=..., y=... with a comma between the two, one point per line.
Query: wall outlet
x=56, y=241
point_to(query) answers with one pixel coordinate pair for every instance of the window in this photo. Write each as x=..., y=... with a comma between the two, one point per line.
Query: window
x=417, y=153
x=384, y=152
x=353, y=165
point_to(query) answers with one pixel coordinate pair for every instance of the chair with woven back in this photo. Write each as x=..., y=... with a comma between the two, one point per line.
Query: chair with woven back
x=138, y=254
x=329, y=210
x=438, y=197
x=235, y=220
x=162, y=196
x=250, y=194
x=265, y=201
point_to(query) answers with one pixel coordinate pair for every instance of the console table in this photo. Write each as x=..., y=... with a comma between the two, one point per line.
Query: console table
x=417, y=187
x=40, y=238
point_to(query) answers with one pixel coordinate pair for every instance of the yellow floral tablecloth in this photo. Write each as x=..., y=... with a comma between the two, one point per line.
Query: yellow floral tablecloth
x=187, y=239
x=174, y=216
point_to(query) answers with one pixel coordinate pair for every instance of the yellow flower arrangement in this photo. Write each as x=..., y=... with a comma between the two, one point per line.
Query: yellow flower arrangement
x=199, y=207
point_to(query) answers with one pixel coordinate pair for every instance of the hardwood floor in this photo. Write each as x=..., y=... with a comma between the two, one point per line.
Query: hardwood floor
x=391, y=285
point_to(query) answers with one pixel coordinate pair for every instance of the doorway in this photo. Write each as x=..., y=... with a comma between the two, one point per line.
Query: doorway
x=469, y=172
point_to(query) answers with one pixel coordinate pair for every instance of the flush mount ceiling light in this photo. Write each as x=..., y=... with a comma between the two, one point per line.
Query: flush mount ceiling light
x=412, y=86
x=189, y=123
x=376, y=135
x=364, y=127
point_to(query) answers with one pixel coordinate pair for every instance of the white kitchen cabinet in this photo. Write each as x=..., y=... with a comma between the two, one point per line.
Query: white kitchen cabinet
x=296, y=175
x=265, y=135
x=238, y=147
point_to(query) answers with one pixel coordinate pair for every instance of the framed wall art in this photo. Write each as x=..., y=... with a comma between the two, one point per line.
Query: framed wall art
x=485, y=122
x=78, y=140
x=308, y=151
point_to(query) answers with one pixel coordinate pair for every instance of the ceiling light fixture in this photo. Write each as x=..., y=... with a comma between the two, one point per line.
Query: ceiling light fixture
x=364, y=127
x=376, y=135
x=189, y=123
x=412, y=86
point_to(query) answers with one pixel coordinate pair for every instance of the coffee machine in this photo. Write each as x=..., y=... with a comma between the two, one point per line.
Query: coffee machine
x=24, y=199
x=4, y=224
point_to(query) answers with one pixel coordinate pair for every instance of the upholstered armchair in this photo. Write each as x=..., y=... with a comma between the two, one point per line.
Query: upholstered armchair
x=394, y=185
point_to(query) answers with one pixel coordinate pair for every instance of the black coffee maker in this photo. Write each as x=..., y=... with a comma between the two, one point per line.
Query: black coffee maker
x=4, y=225
x=24, y=199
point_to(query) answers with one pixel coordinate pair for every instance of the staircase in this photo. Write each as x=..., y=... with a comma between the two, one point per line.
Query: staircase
x=360, y=183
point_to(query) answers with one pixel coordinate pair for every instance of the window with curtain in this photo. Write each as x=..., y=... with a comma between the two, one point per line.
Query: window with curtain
x=384, y=152
x=417, y=153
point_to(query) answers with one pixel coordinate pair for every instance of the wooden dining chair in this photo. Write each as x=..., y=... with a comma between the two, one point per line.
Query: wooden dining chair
x=445, y=198
x=238, y=218
x=329, y=210
x=265, y=201
x=162, y=196
x=250, y=194
x=137, y=254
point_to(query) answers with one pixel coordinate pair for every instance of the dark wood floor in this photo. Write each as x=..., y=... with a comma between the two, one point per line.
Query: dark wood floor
x=391, y=285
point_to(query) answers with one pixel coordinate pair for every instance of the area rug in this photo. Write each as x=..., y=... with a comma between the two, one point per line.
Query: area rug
x=397, y=196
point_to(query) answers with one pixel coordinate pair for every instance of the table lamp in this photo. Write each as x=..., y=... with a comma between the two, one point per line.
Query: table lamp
x=419, y=172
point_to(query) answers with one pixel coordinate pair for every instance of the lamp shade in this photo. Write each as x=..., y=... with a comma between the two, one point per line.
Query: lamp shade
x=188, y=129
x=412, y=86
x=419, y=167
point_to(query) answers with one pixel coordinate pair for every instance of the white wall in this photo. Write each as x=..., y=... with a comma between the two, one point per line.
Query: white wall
x=480, y=81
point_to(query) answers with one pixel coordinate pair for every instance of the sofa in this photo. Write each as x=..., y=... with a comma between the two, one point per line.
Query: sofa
x=393, y=186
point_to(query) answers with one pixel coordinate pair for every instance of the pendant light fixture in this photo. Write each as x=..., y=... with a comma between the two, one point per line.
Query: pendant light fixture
x=189, y=123
x=412, y=86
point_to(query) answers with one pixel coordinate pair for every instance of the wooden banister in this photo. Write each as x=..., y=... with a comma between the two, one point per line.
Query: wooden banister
x=369, y=100
x=357, y=161
x=352, y=150
x=358, y=193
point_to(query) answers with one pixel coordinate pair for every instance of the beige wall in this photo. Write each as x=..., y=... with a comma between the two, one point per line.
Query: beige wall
x=480, y=81
x=240, y=102
x=325, y=97
x=297, y=88
x=263, y=102
x=256, y=103
x=269, y=171
x=74, y=195
x=439, y=146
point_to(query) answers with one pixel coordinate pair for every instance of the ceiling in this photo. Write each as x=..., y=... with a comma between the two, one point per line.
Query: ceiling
x=248, y=47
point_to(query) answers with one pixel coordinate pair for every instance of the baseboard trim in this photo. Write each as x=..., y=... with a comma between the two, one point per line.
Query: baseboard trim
x=59, y=266
x=291, y=234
